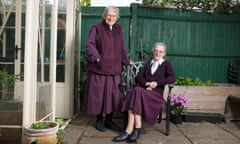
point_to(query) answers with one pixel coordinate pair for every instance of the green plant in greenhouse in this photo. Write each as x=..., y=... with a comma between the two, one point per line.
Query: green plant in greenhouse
x=7, y=81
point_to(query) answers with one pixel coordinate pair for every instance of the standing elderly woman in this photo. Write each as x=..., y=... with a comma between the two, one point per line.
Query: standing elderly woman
x=106, y=53
x=145, y=100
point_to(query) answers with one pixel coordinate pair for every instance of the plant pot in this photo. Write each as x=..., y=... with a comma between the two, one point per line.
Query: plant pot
x=176, y=118
x=199, y=116
x=41, y=136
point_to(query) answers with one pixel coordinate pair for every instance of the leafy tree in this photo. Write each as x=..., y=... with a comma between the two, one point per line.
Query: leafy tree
x=85, y=2
x=226, y=6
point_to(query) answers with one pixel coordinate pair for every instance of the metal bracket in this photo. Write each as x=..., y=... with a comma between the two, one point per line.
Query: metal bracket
x=16, y=51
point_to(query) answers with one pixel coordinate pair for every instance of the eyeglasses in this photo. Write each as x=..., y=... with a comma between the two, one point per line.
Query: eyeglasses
x=114, y=16
x=158, y=51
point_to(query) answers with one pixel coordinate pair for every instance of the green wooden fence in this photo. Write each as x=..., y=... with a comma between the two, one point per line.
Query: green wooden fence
x=199, y=44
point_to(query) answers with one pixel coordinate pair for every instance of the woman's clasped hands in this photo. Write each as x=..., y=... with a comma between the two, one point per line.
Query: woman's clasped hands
x=151, y=85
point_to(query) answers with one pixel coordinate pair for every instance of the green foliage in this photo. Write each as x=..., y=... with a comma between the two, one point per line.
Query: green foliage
x=61, y=122
x=60, y=133
x=193, y=82
x=226, y=6
x=85, y=3
x=40, y=125
x=7, y=81
x=60, y=137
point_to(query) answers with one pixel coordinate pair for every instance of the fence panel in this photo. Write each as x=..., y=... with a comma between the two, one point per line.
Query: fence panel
x=199, y=44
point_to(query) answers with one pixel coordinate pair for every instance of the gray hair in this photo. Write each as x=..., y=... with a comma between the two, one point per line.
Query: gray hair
x=110, y=8
x=160, y=44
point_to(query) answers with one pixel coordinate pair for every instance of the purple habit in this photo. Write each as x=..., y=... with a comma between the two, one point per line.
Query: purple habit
x=103, y=79
x=149, y=103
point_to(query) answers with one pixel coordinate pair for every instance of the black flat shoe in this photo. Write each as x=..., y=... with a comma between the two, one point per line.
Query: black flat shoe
x=100, y=126
x=136, y=133
x=122, y=137
x=111, y=125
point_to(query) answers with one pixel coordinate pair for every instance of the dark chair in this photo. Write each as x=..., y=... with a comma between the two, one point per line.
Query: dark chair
x=128, y=82
x=234, y=71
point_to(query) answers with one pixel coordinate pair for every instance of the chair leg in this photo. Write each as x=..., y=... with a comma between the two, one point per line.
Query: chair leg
x=160, y=116
x=125, y=120
x=168, y=117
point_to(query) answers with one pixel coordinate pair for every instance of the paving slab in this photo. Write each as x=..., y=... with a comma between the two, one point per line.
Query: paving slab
x=205, y=130
x=73, y=134
x=154, y=137
x=232, y=127
x=100, y=140
x=81, y=130
x=92, y=132
x=208, y=133
x=214, y=141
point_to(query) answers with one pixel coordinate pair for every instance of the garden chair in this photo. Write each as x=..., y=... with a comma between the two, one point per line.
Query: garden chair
x=234, y=71
x=128, y=82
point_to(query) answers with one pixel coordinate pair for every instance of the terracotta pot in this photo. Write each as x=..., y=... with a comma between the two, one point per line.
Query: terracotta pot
x=41, y=136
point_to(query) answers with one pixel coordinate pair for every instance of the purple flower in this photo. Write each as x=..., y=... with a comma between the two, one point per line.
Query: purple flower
x=178, y=104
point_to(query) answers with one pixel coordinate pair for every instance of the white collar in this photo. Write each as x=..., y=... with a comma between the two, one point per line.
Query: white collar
x=159, y=62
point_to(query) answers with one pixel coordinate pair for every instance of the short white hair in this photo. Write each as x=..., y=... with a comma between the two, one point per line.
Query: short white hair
x=110, y=8
x=159, y=44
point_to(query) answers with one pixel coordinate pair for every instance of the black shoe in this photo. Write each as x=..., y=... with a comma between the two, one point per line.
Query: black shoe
x=100, y=126
x=136, y=133
x=111, y=125
x=122, y=137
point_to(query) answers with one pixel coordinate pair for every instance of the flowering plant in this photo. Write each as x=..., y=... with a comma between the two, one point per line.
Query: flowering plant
x=178, y=104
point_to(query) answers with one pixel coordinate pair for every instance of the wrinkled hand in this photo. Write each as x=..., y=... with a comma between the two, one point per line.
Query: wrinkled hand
x=148, y=88
x=151, y=85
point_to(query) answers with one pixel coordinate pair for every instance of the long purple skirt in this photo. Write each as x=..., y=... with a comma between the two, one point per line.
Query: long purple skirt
x=145, y=103
x=102, y=94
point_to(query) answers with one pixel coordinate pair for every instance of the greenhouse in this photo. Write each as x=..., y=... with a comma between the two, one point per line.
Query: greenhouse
x=38, y=61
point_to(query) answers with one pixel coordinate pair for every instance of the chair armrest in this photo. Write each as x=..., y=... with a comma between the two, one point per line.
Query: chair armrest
x=170, y=86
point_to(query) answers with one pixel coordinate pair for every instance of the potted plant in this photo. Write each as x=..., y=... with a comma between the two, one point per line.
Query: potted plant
x=41, y=132
x=178, y=108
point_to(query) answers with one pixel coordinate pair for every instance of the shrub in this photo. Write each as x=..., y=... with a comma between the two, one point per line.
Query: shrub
x=193, y=82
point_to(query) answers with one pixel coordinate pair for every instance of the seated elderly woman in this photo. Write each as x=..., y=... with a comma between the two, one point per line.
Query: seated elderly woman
x=146, y=99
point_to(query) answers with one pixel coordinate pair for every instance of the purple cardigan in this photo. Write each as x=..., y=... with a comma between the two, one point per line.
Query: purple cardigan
x=108, y=46
x=163, y=75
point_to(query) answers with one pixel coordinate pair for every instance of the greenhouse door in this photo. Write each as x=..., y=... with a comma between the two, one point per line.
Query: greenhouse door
x=11, y=64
